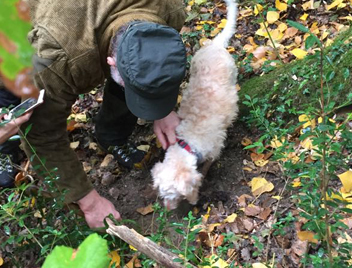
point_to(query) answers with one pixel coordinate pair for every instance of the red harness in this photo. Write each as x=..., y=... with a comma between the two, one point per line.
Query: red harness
x=188, y=148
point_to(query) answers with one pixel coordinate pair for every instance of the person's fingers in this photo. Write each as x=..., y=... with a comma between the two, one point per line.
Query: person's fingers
x=116, y=215
x=160, y=135
x=22, y=119
x=171, y=136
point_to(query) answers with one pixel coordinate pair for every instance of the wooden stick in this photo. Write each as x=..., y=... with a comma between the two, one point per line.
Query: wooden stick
x=161, y=255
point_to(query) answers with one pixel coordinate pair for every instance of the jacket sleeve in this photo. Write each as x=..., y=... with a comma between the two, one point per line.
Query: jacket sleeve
x=177, y=15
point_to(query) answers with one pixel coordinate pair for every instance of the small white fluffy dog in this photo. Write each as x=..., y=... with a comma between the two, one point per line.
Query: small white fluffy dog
x=208, y=108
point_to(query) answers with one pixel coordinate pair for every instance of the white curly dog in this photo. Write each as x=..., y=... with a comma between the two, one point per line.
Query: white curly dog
x=208, y=108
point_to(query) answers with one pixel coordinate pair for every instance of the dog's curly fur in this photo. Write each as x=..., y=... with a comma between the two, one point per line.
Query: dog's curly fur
x=208, y=108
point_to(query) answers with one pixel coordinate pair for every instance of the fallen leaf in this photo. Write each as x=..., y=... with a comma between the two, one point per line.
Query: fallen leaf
x=256, y=157
x=257, y=9
x=215, y=261
x=1, y=261
x=230, y=218
x=93, y=146
x=299, y=247
x=252, y=210
x=334, y=4
x=144, y=148
x=130, y=264
x=107, y=159
x=299, y=53
x=308, y=5
x=115, y=258
x=82, y=117
x=280, y=6
x=307, y=235
x=264, y=214
x=346, y=179
x=272, y=16
x=260, y=185
x=245, y=142
x=222, y=24
x=242, y=200
x=146, y=210
x=74, y=145
x=218, y=239
x=261, y=162
x=259, y=265
x=304, y=17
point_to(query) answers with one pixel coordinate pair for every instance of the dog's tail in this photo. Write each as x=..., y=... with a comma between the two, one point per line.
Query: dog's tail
x=223, y=38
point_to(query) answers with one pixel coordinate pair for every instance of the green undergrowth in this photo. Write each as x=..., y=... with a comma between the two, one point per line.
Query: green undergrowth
x=297, y=84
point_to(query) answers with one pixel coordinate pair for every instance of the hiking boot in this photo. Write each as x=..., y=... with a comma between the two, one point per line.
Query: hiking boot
x=127, y=155
x=7, y=170
x=9, y=158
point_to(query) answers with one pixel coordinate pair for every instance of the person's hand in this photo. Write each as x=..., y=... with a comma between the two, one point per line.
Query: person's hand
x=11, y=128
x=96, y=208
x=165, y=129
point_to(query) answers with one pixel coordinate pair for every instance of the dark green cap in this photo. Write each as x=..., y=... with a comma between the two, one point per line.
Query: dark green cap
x=151, y=59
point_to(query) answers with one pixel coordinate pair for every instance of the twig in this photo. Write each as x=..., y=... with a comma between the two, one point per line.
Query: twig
x=158, y=253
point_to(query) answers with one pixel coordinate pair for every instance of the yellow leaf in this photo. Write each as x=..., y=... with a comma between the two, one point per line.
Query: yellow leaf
x=272, y=16
x=324, y=35
x=206, y=216
x=222, y=24
x=199, y=27
x=307, y=144
x=296, y=184
x=349, y=17
x=82, y=117
x=191, y=3
x=307, y=235
x=282, y=27
x=257, y=9
x=146, y=210
x=328, y=42
x=346, y=179
x=1, y=261
x=261, y=162
x=115, y=258
x=132, y=247
x=260, y=185
x=231, y=218
x=275, y=143
x=299, y=53
x=304, y=17
x=280, y=6
x=220, y=263
x=334, y=4
x=259, y=265
x=277, y=197
x=308, y=5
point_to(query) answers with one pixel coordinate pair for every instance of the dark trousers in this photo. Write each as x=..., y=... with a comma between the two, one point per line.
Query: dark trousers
x=7, y=99
x=114, y=122
x=48, y=135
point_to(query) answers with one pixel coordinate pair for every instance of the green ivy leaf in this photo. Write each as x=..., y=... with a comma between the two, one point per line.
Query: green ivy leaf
x=92, y=253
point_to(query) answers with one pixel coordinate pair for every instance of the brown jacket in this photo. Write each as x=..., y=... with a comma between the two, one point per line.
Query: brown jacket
x=73, y=36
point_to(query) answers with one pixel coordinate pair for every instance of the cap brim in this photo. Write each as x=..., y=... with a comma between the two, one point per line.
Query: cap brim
x=149, y=109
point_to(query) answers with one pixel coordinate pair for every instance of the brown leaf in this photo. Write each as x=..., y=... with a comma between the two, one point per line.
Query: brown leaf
x=308, y=236
x=264, y=214
x=248, y=224
x=218, y=240
x=252, y=210
x=256, y=157
x=299, y=247
x=242, y=200
x=146, y=210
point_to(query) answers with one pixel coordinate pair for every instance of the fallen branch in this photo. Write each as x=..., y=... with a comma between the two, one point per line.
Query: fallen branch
x=161, y=255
